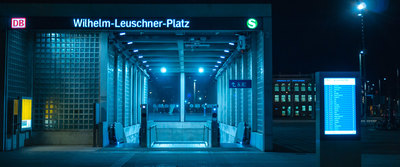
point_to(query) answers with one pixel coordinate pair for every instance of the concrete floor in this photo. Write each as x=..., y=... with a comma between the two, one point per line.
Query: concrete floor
x=292, y=139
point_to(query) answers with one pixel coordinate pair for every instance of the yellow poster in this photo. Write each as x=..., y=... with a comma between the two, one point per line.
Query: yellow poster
x=26, y=113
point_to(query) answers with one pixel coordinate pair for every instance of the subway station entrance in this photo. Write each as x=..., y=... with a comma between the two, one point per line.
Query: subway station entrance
x=184, y=76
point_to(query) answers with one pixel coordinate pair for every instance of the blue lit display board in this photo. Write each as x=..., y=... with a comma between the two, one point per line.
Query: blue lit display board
x=340, y=106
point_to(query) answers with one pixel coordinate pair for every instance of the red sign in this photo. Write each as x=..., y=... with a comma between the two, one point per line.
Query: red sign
x=18, y=22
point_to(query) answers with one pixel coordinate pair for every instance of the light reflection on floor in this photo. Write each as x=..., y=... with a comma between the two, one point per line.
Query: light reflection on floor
x=191, y=144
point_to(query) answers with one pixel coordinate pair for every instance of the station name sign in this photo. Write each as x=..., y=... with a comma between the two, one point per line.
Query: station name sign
x=134, y=23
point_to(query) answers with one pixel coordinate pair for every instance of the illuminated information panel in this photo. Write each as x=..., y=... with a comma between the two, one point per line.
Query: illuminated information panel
x=340, y=106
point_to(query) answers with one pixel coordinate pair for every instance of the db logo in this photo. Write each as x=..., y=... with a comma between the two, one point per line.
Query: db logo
x=18, y=22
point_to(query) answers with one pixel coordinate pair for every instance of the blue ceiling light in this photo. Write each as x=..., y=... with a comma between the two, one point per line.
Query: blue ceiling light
x=163, y=70
x=231, y=43
x=216, y=66
x=130, y=43
x=219, y=62
x=226, y=51
x=222, y=57
x=135, y=50
x=147, y=65
x=144, y=61
x=214, y=69
x=140, y=56
x=362, y=6
x=201, y=70
x=122, y=33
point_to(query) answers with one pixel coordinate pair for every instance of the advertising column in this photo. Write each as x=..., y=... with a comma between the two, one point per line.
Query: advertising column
x=338, y=119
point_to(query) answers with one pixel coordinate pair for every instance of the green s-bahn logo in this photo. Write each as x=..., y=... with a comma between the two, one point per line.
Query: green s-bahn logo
x=252, y=23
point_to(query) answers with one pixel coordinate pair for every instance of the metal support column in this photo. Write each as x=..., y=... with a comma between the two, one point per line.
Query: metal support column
x=182, y=86
x=267, y=32
x=182, y=97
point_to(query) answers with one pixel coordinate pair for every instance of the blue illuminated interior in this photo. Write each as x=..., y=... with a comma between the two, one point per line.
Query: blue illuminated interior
x=340, y=106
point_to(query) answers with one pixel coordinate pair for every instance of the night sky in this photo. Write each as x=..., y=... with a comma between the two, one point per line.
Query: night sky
x=321, y=35
x=310, y=36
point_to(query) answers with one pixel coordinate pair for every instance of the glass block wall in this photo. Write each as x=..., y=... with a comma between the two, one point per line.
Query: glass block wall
x=243, y=105
x=66, y=79
x=18, y=66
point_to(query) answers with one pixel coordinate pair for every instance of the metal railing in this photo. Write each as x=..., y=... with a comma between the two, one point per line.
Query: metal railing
x=206, y=134
x=151, y=128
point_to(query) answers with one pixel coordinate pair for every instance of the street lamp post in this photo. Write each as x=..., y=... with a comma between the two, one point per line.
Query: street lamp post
x=361, y=8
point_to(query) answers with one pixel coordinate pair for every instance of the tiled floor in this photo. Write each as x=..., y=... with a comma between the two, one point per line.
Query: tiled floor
x=294, y=140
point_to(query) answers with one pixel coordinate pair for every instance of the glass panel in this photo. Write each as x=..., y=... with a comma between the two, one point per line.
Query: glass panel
x=296, y=98
x=309, y=98
x=164, y=99
x=200, y=97
x=283, y=98
x=289, y=98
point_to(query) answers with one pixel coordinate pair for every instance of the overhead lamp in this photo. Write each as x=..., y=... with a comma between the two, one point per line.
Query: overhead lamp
x=226, y=51
x=147, y=65
x=145, y=61
x=150, y=69
x=130, y=43
x=219, y=62
x=122, y=33
x=361, y=6
x=140, y=56
x=201, y=70
x=216, y=66
x=222, y=57
x=163, y=70
x=214, y=69
x=135, y=50
x=231, y=43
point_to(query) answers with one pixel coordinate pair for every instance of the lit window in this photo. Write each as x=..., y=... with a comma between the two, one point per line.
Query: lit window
x=303, y=98
x=309, y=98
x=296, y=87
x=276, y=87
x=309, y=108
x=289, y=98
x=296, y=98
x=283, y=98
x=276, y=98
x=289, y=110
x=283, y=87
x=303, y=108
x=288, y=87
x=303, y=87
x=309, y=88
x=283, y=111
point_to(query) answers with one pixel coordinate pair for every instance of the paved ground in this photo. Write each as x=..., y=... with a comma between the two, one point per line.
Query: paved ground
x=299, y=136
x=293, y=139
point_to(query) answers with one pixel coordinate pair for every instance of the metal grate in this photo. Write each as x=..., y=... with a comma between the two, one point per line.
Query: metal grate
x=66, y=80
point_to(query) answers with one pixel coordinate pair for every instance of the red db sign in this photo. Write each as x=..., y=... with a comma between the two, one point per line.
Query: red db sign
x=18, y=22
